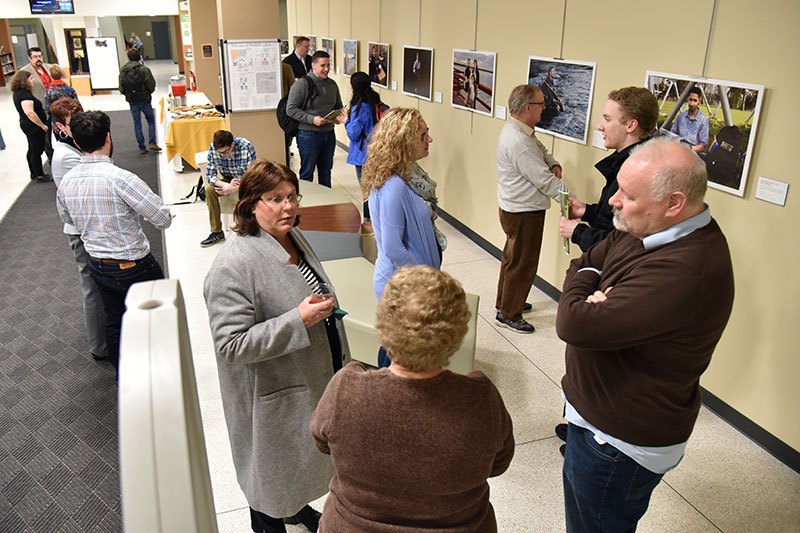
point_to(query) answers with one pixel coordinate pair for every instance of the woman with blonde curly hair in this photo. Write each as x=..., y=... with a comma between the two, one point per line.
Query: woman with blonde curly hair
x=413, y=444
x=402, y=198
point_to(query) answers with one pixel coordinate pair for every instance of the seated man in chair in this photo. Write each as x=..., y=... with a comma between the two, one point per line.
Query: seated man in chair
x=228, y=158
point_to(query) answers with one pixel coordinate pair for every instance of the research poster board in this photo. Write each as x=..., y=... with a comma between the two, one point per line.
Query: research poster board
x=251, y=74
x=103, y=63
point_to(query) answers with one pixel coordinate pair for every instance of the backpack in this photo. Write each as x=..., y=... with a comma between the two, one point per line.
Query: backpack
x=133, y=86
x=287, y=123
x=725, y=157
x=380, y=110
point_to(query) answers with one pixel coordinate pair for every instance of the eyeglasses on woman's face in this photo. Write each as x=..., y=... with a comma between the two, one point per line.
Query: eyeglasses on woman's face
x=280, y=201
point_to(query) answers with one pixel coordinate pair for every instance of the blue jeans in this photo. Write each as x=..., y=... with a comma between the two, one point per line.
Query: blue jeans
x=316, y=150
x=114, y=282
x=604, y=489
x=136, y=109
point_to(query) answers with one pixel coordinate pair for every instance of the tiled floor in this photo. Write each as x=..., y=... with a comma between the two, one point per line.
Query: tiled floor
x=725, y=482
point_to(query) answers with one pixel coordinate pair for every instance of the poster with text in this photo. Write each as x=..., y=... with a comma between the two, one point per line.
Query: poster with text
x=717, y=118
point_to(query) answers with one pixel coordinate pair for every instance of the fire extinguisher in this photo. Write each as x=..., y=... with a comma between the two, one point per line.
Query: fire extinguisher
x=192, y=81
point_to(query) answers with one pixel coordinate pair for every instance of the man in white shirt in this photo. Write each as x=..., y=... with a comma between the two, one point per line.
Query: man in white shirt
x=527, y=178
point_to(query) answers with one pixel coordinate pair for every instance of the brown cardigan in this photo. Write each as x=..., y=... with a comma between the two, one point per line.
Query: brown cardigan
x=411, y=455
x=634, y=361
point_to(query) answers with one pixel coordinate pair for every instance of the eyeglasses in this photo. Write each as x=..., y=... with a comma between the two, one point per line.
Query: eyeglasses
x=279, y=201
x=226, y=151
x=537, y=103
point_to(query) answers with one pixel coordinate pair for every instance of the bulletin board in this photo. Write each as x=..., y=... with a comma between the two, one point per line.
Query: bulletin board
x=251, y=74
x=103, y=63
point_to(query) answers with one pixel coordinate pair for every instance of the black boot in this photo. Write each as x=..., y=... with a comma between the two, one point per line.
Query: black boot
x=306, y=516
x=261, y=523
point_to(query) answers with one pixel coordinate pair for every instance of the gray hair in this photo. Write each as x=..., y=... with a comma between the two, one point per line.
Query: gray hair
x=521, y=95
x=678, y=168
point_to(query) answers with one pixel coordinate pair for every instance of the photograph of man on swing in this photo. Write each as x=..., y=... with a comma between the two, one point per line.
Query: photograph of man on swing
x=716, y=118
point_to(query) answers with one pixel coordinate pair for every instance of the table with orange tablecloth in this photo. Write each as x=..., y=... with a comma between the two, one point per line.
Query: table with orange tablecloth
x=186, y=137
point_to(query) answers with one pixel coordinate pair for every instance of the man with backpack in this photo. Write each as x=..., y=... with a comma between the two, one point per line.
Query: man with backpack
x=137, y=84
x=310, y=100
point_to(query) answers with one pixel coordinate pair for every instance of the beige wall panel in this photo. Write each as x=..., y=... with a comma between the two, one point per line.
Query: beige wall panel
x=236, y=20
x=756, y=366
x=262, y=129
x=302, y=13
x=205, y=30
x=319, y=18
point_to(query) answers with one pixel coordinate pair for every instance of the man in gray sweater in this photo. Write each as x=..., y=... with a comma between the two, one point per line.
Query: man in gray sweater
x=311, y=99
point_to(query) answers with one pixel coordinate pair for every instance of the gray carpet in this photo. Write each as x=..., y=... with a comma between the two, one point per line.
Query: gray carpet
x=59, y=454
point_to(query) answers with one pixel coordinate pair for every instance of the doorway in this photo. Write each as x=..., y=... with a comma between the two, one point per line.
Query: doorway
x=162, y=46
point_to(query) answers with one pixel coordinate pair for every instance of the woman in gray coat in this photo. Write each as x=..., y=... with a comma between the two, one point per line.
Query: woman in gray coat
x=276, y=348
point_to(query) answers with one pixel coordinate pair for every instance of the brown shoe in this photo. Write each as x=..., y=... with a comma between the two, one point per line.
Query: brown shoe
x=155, y=147
x=143, y=151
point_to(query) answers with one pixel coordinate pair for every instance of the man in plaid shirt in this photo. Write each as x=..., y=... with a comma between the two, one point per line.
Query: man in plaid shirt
x=105, y=203
x=228, y=158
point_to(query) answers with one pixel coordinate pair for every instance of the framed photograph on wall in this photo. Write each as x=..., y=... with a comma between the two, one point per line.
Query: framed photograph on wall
x=327, y=44
x=567, y=87
x=473, y=81
x=717, y=118
x=418, y=71
x=349, y=56
x=378, y=63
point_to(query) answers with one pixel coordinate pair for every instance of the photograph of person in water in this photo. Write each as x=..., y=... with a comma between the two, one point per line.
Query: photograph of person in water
x=567, y=87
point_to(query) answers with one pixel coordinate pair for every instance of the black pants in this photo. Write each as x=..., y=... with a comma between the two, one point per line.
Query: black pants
x=48, y=141
x=36, y=143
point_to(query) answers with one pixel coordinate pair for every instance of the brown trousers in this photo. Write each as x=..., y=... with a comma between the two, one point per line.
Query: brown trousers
x=520, y=260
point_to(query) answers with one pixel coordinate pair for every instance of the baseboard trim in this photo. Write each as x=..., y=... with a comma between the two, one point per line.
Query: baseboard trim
x=772, y=444
x=769, y=442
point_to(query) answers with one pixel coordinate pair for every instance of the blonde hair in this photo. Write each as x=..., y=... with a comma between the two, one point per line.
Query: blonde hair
x=422, y=317
x=392, y=149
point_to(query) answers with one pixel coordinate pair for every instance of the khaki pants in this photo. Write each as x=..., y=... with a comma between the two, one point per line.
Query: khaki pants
x=520, y=260
x=212, y=201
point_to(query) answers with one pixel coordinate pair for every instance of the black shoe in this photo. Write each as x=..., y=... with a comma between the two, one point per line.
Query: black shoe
x=44, y=178
x=525, y=308
x=520, y=326
x=306, y=516
x=561, y=432
x=99, y=357
x=212, y=239
x=563, y=450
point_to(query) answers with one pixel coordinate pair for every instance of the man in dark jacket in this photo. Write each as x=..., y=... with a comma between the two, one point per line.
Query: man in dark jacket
x=629, y=117
x=137, y=84
x=300, y=61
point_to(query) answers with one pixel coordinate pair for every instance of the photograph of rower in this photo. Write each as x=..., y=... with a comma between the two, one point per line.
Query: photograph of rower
x=567, y=88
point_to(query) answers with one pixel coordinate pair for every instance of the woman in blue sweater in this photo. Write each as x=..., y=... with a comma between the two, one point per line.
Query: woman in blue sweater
x=365, y=110
x=401, y=197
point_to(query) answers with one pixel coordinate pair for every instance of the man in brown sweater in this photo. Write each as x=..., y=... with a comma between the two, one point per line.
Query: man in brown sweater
x=641, y=313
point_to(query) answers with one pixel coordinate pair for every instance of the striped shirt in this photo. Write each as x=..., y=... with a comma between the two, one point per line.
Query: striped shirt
x=308, y=274
x=104, y=203
x=232, y=166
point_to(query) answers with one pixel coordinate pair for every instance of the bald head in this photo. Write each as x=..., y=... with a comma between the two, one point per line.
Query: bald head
x=675, y=167
x=661, y=184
